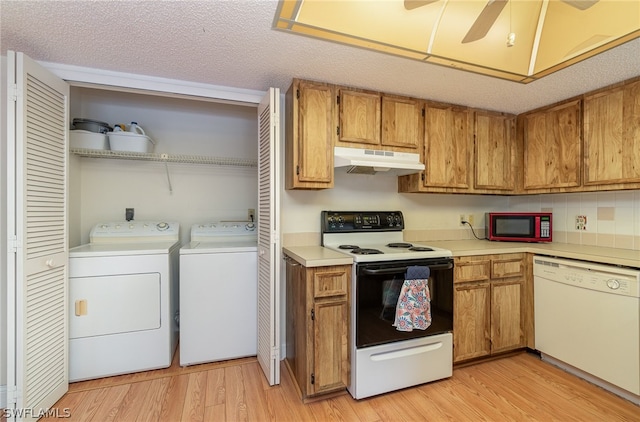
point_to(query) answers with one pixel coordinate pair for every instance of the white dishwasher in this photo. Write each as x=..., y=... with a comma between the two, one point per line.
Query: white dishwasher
x=587, y=321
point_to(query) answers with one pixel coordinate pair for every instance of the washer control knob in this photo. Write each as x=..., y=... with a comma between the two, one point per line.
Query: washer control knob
x=162, y=226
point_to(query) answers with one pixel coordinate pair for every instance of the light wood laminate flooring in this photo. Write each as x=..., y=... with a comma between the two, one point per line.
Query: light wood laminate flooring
x=515, y=388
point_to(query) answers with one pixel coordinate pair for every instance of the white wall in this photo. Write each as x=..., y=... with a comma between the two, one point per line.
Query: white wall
x=422, y=211
x=101, y=189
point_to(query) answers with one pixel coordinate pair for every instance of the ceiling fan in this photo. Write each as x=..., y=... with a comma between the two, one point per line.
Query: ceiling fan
x=489, y=14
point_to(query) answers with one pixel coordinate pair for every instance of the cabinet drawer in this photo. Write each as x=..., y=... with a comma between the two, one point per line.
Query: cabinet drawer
x=503, y=268
x=471, y=271
x=329, y=282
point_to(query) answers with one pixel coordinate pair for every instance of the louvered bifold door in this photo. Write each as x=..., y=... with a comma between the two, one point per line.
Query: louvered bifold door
x=41, y=260
x=268, y=235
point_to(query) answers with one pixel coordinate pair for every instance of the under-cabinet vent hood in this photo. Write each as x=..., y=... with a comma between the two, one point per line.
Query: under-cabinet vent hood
x=370, y=161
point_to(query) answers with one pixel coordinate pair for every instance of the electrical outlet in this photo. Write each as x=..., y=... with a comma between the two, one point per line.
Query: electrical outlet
x=581, y=222
x=251, y=214
x=462, y=219
x=470, y=219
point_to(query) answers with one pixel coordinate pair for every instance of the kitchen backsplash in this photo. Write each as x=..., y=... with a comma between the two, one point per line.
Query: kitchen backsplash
x=612, y=218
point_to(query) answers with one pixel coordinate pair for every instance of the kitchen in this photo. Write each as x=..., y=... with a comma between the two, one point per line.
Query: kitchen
x=436, y=216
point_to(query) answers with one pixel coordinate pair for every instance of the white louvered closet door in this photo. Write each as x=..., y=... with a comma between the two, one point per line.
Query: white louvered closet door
x=38, y=347
x=269, y=236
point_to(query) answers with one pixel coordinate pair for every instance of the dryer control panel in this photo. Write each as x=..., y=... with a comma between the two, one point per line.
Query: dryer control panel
x=134, y=231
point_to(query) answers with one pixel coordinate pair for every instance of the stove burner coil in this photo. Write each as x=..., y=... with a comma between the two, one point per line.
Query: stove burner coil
x=348, y=247
x=420, y=249
x=366, y=251
x=399, y=245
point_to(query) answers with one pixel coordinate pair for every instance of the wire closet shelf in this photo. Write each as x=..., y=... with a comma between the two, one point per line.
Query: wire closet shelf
x=166, y=158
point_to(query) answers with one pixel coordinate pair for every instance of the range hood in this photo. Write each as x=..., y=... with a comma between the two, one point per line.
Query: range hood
x=370, y=161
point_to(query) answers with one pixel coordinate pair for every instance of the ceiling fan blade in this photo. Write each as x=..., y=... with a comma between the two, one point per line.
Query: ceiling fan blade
x=581, y=4
x=485, y=21
x=414, y=4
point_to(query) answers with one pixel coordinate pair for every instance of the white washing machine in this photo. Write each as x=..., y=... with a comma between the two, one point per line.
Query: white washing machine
x=123, y=299
x=218, y=293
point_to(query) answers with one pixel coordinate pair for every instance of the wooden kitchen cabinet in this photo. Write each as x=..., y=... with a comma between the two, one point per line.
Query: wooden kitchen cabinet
x=448, y=141
x=494, y=151
x=359, y=118
x=317, y=327
x=309, y=136
x=402, y=123
x=612, y=135
x=379, y=121
x=553, y=148
x=489, y=305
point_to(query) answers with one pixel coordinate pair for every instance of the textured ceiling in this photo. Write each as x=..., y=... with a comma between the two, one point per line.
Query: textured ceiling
x=231, y=43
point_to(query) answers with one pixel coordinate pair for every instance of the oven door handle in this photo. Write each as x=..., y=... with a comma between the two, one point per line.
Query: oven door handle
x=395, y=270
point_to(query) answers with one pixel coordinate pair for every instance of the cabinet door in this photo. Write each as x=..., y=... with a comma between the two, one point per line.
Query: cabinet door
x=552, y=147
x=612, y=136
x=507, y=326
x=471, y=321
x=359, y=113
x=402, y=122
x=494, y=159
x=309, y=136
x=331, y=346
x=448, y=140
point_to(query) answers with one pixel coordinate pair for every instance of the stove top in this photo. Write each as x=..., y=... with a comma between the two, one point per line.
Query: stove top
x=373, y=236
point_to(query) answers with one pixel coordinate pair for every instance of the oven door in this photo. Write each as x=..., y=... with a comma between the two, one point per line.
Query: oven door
x=378, y=286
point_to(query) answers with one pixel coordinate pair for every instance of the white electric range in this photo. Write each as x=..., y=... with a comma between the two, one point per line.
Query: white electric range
x=383, y=357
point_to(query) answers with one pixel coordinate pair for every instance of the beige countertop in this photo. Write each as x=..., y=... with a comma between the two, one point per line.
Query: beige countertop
x=317, y=256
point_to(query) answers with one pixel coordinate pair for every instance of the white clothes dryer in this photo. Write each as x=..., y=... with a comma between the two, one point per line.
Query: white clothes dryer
x=219, y=293
x=123, y=302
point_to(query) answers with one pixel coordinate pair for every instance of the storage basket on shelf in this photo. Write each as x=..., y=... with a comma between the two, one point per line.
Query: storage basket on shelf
x=130, y=142
x=86, y=139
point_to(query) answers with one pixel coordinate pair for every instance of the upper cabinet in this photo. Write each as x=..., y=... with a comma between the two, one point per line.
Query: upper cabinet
x=590, y=143
x=448, y=141
x=465, y=151
x=309, y=136
x=359, y=114
x=612, y=136
x=586, y=143
x=495, y=151
x=379, y=121
x=553, y=147
x=402, y=123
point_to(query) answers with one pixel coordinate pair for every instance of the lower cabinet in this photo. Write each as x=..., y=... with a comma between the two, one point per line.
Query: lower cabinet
x=490, y=305
x=318, y=327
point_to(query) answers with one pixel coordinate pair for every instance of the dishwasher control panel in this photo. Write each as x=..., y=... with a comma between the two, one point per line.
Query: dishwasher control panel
x=604, y=278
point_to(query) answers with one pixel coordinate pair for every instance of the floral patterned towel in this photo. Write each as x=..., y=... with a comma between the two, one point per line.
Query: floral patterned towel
x=413, y=310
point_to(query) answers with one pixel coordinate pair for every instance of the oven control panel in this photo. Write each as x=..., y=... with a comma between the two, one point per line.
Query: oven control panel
x=361, y=221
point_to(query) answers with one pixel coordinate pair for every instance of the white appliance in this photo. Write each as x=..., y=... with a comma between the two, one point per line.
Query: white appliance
x=123, y=301
x=219, y=293
x=587, y=320
x=372, y=161
x=384, y=358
